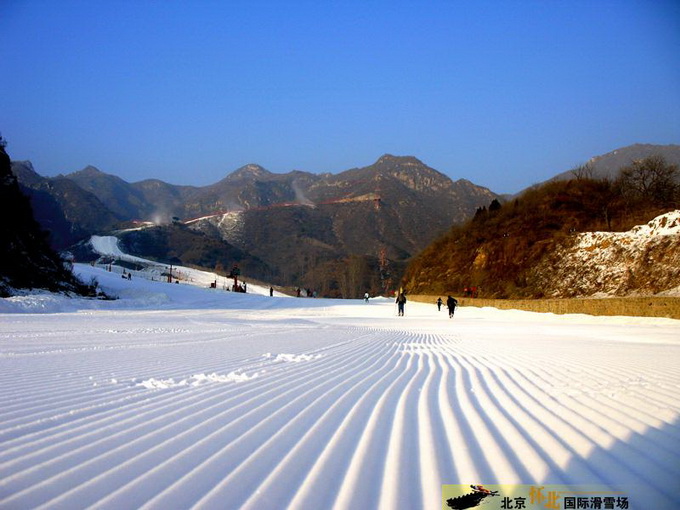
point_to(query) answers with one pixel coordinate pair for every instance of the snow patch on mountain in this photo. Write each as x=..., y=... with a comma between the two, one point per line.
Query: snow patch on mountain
x=229, y=226
x=643, y=261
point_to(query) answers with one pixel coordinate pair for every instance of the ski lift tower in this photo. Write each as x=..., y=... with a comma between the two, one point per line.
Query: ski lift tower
x=235, y=273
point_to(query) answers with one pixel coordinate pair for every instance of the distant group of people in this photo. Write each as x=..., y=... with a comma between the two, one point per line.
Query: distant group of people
x=240, y=287
x=451, y=303
x=305, y=292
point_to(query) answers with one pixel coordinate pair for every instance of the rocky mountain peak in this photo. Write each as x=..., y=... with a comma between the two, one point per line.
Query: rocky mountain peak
x=388, y=160
x=250, y=171
x=91, y=178
x=89, y=171
x=412, y=172
x=25, y=172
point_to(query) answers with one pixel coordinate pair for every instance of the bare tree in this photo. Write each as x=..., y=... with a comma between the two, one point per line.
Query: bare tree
x=585, y=171
x=651, y=179
x=354, y=276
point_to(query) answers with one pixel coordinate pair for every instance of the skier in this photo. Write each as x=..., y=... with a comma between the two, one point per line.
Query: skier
x=271, y=291
x=401, y=300
x=439, y=304
x=451, y=303
x=366, y=297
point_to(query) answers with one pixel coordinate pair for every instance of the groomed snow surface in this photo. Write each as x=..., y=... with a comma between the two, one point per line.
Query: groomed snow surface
x=177, y=397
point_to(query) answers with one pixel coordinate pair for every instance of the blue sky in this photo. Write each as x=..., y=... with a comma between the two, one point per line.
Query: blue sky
x=503, y=93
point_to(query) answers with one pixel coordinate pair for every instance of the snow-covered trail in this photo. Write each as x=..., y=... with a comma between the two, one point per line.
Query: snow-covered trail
x=287, y=403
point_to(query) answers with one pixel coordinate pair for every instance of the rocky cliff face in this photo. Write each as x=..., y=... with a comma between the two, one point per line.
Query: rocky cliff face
x=642, y=261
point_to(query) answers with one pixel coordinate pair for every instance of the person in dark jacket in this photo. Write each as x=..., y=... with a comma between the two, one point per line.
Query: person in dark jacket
x=439, y=304
x=401, y=301
x=451, y=304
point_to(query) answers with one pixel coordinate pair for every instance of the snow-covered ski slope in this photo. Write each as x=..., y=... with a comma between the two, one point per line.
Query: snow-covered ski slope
x=108, y=247
x=177, y=397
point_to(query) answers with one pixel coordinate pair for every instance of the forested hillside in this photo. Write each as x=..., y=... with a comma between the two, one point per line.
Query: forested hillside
x=500, y=249
x=177, y=244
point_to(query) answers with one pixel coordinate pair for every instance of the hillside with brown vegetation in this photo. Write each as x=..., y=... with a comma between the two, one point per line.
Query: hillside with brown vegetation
x=501, y=250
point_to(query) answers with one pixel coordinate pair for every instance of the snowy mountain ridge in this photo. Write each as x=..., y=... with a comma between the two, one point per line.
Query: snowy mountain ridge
x=642, y=261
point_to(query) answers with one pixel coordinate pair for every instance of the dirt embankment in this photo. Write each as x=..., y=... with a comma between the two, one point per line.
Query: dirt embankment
x=631, y=306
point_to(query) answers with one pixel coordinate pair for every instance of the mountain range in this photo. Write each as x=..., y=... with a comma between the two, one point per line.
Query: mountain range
x=298, y=228
x=340, y=233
